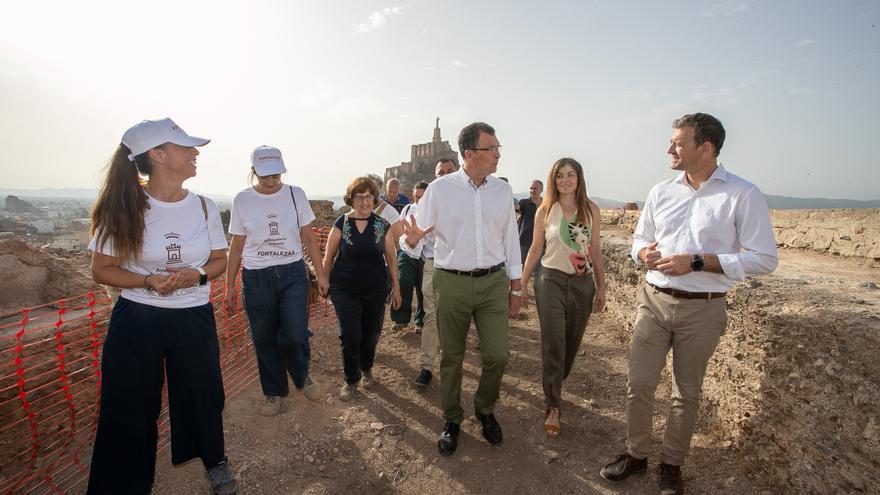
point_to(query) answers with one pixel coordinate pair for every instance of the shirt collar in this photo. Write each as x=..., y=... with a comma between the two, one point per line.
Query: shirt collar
x=720, y=173
x=466, y=179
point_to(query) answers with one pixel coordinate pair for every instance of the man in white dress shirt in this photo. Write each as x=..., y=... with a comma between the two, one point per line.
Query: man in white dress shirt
x=430, y=343
x=477, y=275
x=699, y=232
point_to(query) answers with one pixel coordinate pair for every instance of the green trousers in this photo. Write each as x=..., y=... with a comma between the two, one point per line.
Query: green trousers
x=460, y=299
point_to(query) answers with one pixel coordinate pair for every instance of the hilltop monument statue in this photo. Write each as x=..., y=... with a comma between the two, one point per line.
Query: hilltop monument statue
x=423, y=160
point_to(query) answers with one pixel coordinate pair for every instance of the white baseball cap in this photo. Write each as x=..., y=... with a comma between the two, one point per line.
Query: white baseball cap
x=151, y=133
x=267, y=160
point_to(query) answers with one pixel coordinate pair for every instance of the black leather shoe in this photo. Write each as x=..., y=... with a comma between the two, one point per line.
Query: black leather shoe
x=623, y=467
x=448, y=441
x=670, y=479
x=424, y=378
x=491, y=428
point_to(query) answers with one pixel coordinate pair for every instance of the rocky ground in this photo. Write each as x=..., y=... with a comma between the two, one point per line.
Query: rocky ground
x=34, y=276
x=790, y=404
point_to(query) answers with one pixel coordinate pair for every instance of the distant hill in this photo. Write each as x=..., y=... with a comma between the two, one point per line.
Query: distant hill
x=604, y=203
x=222, y=200
x=52, y=193
x=788, y=203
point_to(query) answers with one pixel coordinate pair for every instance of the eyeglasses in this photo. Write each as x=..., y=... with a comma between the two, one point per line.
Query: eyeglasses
x=490, y=149
x=368, y=198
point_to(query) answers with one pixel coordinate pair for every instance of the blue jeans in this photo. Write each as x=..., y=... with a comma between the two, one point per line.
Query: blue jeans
x=276, y=301
x=410, y=272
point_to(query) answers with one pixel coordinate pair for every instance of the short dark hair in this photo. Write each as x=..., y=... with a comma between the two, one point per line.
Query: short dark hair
x=421, y=185
x=361, y=185
x=706, y=128
x=445, y=160
x=470, y=135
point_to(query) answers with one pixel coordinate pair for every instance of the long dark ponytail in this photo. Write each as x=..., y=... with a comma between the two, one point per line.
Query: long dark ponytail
x=118, y=214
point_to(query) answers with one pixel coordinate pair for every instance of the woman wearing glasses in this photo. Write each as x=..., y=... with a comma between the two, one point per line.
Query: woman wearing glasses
x=270, y=223
x=359, y=281
x=565, y=291
x=160, y=244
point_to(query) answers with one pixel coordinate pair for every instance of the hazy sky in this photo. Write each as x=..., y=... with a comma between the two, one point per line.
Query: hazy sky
x=344, y=87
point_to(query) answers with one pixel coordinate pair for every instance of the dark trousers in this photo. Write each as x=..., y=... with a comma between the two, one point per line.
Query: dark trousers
x=564, y=303
x=144, y=345
x=360, y=316
x=411, y=272
x=276, y=301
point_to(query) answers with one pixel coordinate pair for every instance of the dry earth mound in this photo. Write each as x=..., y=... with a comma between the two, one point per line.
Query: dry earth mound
x=34, y=276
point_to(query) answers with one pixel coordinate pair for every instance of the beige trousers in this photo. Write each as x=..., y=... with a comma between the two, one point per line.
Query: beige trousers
x=430, y=342
x=691, y=328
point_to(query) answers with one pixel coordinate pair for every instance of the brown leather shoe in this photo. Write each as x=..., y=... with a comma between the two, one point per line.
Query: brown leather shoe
x=670, y=479
x=623, y=467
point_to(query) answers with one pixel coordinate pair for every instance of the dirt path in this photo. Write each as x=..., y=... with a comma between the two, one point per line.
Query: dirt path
x=384, y=441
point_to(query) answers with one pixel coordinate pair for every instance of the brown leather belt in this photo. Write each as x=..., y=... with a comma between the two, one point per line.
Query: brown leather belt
x=683, y=294
x=480, y=272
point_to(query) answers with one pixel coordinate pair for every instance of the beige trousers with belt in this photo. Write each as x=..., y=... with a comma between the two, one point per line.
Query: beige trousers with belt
x=691, y=328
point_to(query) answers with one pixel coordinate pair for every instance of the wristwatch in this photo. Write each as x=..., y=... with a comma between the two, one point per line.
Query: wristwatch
x=515, y=293
x=697, y=263
x=203, y=277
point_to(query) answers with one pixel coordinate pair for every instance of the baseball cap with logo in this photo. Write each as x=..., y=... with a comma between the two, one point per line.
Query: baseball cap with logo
x=151, y=133
x=267, y=160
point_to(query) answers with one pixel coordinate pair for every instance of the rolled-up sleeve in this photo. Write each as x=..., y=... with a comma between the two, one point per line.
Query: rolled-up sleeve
x=644, y=233
x=511, y=246
x=425, y=217
x=758, y=255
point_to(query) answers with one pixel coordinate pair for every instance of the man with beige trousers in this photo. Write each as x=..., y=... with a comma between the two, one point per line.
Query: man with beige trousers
x=699, y=232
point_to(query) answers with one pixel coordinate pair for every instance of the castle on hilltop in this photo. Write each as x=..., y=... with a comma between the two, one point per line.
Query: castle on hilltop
x=423, y=160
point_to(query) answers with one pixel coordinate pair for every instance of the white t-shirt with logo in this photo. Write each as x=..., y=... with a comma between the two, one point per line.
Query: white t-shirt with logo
x=269, y=224
x=176, y=235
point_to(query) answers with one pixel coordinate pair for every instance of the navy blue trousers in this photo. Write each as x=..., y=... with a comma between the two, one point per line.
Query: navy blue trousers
x=277, y=303
x=144, y=345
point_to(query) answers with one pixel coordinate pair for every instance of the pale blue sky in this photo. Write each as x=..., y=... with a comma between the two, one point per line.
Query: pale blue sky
x=345, y=87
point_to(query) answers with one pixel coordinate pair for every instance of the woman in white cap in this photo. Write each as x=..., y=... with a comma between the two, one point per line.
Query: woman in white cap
x=160, y=244
x=270, y=223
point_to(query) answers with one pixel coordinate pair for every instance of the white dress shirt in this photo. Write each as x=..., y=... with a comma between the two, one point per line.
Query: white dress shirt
x=427, y=251
x=727, y=216
x=474, y=227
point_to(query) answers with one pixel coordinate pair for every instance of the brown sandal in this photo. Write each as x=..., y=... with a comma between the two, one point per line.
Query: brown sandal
x=552, y=422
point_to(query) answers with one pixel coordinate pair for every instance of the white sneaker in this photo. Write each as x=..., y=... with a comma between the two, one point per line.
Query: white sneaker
x=367, y=380
x=311, y=390
x=272, y=406
x=347, y=391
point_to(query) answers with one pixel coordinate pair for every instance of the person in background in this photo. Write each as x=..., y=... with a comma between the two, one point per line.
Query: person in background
x=571, y=284
x=270, y=223
x=387, y=211
x=699, y=231
x=392, y=195
x=161, y=244
x=359, y=281
x=527, y=208
x=411, y=271
x=430, y=345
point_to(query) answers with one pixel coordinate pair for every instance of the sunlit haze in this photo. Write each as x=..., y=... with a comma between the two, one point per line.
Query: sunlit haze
x=344, y=88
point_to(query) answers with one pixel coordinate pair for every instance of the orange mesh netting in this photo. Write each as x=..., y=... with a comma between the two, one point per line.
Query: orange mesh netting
x=50, y=382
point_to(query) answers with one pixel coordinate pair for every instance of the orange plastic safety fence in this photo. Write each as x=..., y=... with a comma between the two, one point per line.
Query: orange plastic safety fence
x=50, y=382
